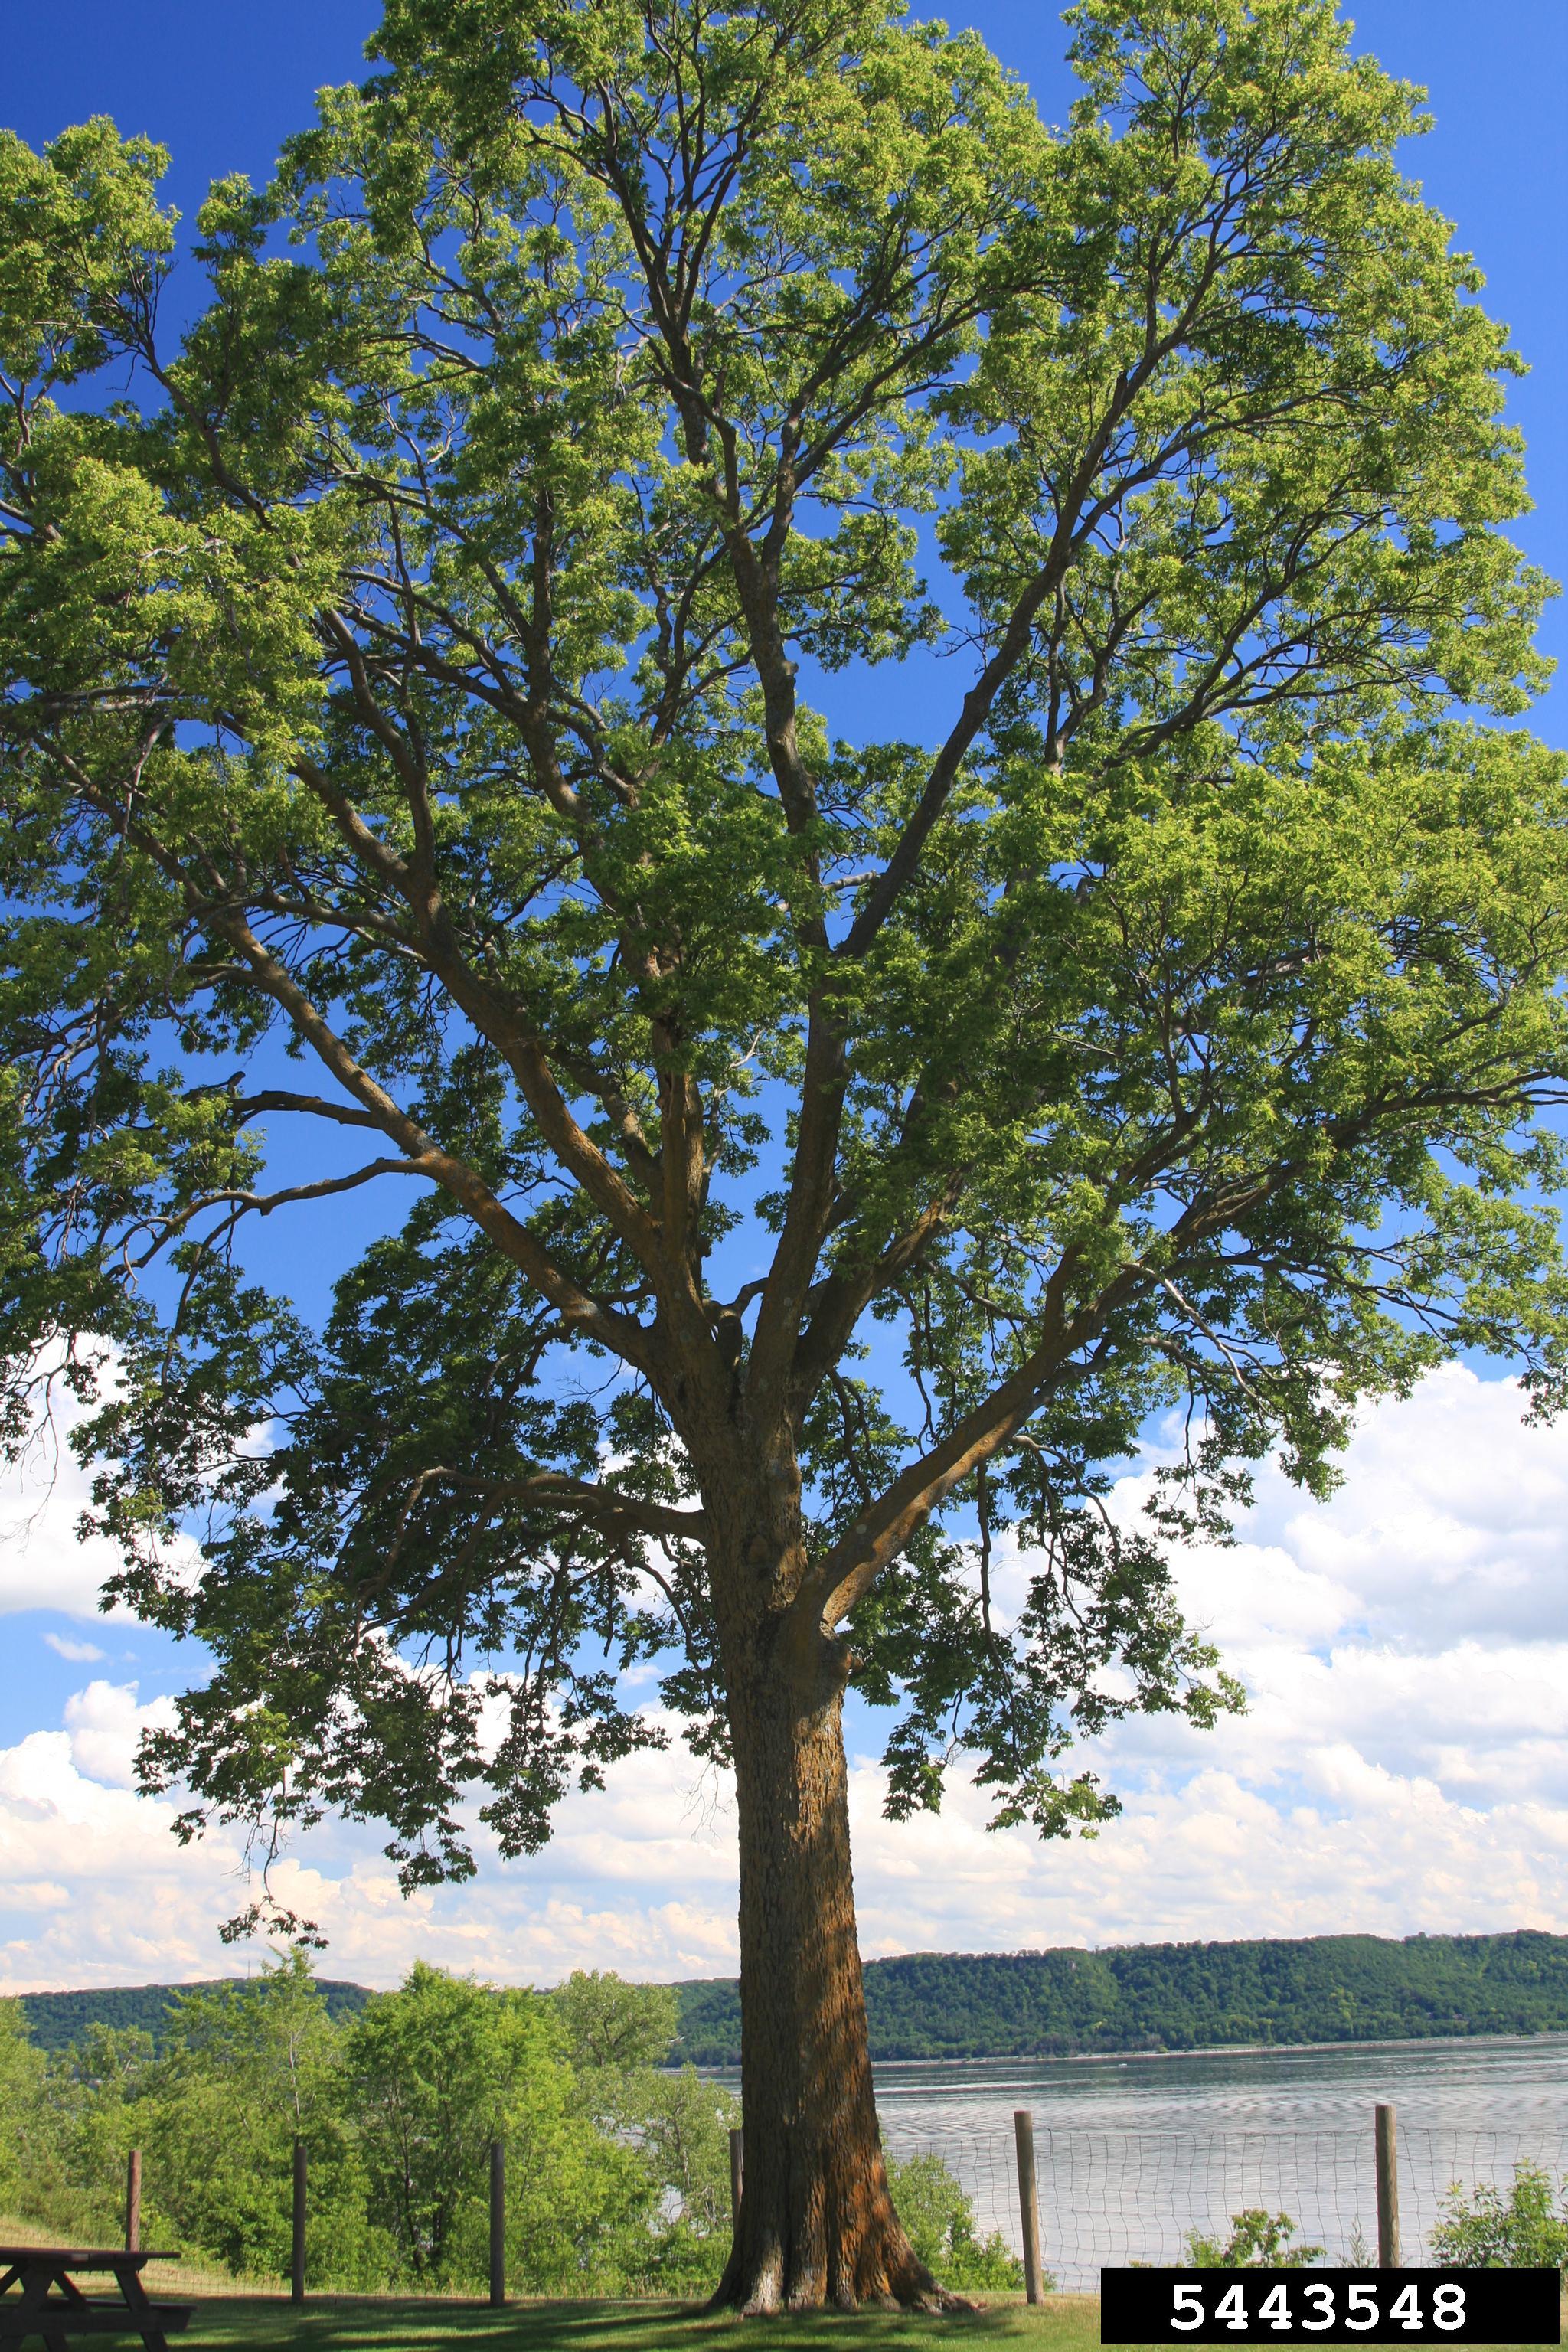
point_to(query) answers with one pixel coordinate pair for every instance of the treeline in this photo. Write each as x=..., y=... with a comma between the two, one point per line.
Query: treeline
x=1061, y=2003
x=56, y=2020
x=617, y=2172
x=1183, y=1997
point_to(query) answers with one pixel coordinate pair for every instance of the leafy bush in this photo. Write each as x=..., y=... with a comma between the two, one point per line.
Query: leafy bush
x=939, y=2220
x=248, y=2068
x=613, y=2027
x=617, y=2173
x=1488, y=2231
x=441, y=2068
x=25, y=2140
x=1258, y=2241
x=678, y=2122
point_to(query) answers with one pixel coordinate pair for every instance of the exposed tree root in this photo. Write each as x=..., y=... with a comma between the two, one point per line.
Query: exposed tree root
x=889, y=2277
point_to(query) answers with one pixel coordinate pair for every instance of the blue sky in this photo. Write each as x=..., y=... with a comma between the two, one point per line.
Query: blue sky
x=1466, y=1813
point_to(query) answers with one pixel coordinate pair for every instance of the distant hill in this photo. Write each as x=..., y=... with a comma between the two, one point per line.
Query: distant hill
x=56, y=2020
x=1062, y=2003
x=1183, y=1997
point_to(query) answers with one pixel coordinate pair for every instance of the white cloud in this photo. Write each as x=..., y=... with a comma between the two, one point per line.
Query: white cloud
x=1404, y=1766
x=80, y=1653
x=105, y=1726
x=1363, y=1850
x=1450, y=1524
x=44, y=1563
x=93, y=1889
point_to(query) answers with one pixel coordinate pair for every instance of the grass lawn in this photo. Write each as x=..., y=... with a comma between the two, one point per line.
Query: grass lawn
x=1066, y=2323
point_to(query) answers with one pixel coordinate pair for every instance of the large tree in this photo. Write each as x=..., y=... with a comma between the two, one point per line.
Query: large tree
x=434, y=748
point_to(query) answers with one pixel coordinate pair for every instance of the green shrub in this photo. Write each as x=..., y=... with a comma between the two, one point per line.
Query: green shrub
x=1488, y=2231
x=1258, y=2241
x=676, y=2122
x=249, y=2066
x=939, y=2220
x=28, y=2165
x=617, y=2174
x=437, y=2071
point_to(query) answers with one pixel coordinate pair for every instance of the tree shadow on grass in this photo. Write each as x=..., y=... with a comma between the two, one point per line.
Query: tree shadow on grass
x=352, y=2324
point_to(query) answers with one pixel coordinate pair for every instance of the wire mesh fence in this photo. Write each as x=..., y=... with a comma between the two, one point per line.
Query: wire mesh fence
x=1136, y=2197
x=1111, y=2197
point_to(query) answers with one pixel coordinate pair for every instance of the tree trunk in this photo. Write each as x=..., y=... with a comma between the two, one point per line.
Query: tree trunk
x=817, y=2224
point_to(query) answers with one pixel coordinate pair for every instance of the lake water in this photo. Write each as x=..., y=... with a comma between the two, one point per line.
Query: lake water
x=1132, y=2153
x=1485, y=2083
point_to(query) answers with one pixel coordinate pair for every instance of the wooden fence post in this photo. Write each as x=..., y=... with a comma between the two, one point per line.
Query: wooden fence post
x=498, y=2223
x=737, y=2174
x=1386, y=2142
x=133, y=2203
x=1028, y=2201
x=297, y=2267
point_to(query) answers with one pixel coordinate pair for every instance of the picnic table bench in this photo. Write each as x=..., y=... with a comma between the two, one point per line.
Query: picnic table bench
x=38, y=2297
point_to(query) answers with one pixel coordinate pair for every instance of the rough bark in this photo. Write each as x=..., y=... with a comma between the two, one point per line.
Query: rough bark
x=816, y=2223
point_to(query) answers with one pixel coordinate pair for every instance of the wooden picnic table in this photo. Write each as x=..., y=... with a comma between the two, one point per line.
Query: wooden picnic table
x=38, y=2297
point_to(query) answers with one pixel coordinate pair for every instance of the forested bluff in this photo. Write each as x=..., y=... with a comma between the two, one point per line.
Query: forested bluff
x=1072, y=2003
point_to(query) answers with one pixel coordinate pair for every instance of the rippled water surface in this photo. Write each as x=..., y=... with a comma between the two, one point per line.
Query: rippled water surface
x=1490, y=2083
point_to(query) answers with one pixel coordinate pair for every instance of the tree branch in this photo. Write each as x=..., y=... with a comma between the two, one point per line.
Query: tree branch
x=634, y=1512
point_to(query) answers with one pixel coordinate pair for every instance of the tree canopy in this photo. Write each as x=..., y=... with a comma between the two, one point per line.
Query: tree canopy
x=432, y=747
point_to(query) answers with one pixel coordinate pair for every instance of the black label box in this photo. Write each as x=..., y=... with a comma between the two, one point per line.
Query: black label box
x=1330, y=2306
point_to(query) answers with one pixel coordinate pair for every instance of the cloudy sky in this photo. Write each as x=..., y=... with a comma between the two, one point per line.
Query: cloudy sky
x=1403, y=1764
